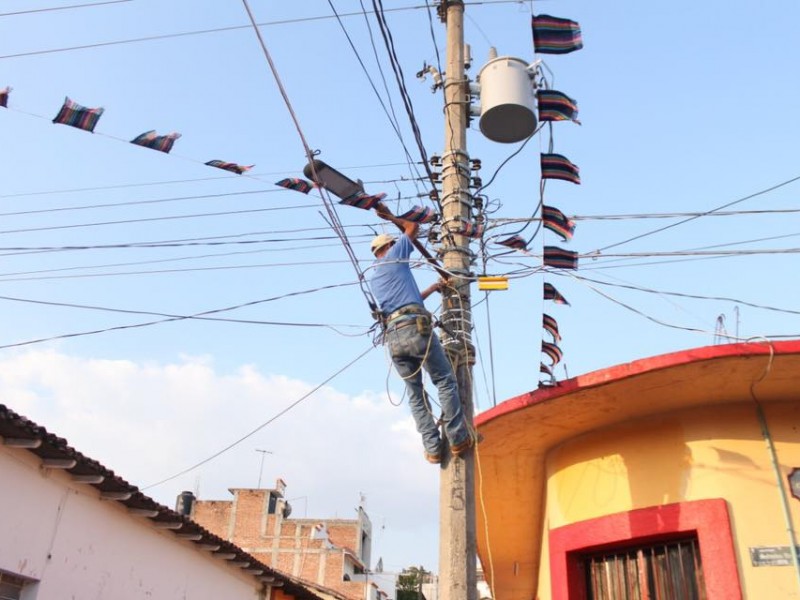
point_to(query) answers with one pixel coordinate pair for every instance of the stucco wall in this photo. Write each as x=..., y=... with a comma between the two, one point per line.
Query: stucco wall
x=79, y=546
x=690, y=455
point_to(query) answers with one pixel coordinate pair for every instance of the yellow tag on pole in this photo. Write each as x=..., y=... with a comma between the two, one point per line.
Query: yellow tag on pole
x=488, y=282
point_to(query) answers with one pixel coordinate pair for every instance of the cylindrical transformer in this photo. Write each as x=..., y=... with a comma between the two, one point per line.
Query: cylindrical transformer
x=508, y=102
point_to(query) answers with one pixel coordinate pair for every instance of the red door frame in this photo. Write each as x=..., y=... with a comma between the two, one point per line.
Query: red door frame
x=708, y=519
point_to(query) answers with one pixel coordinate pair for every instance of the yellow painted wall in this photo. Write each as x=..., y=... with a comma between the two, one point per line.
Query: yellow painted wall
x=698, y=454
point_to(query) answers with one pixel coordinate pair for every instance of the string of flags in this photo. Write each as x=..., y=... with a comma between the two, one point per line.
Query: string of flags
x=75, y=115
x=551, y=35
x=229, y=166
x=551, y=293
x=295, y=183
x=363, y=200
x=557, y=166
x=150, y=139
x=419, y=214
x=554, y=35
x=86, y=118
x=516, y=242
x=556, y=106
x=557, y=222
x=559, y=258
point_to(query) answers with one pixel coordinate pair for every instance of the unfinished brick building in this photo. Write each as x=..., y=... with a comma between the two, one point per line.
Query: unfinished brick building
x=333, y=554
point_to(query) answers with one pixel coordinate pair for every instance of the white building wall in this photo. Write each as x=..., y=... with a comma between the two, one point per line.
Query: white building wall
x=78, y=546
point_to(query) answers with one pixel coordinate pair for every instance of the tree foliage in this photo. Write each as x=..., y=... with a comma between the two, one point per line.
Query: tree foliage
x=409, y=583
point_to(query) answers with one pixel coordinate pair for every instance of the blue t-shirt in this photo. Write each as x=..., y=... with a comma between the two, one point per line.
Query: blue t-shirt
x=392, y=283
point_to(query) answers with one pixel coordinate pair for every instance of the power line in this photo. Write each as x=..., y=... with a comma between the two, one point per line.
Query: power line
x=264, y=424
x=175, y=181
x=316, y=263
x=392, y=121
x=170, y=319
x=202, y=316
x=400, y=79
x=223, y=240
x=649, y=317
x=54, y=8
x=153, y=219
x=335, y=223
x=165, y=36
x=713, y=210
x=139, y=203
x=729, y=213
x=168, y=260
x=691, y=296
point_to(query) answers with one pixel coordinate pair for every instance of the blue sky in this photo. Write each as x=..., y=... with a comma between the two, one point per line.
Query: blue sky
x=685, y=107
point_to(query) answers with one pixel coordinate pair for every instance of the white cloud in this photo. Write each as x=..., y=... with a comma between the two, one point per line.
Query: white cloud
x=149, y=421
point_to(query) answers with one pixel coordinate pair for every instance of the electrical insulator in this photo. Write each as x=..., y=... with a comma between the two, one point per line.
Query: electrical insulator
x=435, y=160
x=476, y=164
x=477, y=182
x=433, y=236
x=477, y=202
x=434, y=195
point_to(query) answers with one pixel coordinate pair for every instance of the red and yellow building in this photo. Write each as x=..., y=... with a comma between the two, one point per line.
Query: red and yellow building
x=668, y=477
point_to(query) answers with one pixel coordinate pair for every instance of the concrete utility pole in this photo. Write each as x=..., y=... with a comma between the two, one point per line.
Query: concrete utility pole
x=457, y=545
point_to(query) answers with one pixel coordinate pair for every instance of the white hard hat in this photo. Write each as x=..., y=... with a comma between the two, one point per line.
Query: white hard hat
x=380, y=241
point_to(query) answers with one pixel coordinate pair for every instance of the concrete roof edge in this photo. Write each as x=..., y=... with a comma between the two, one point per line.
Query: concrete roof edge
x=634, y=368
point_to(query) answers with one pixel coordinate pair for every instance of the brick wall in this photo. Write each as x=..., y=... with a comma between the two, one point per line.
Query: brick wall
x=287, y=544
x=214, y=515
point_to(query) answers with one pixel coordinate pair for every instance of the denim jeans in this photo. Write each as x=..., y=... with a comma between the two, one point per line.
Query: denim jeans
x=412, y=351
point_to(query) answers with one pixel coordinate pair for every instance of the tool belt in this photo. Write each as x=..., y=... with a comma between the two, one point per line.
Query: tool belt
x=408, y=309
x=410, y=314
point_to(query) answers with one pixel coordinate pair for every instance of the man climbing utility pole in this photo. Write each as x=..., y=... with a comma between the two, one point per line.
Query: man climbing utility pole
x=457, y=545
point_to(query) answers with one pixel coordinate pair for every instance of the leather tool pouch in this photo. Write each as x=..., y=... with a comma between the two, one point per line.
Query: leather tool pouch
x=424, y=325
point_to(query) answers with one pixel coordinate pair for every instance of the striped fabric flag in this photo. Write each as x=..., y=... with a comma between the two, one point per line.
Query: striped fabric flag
x=543, y=368
x=557, y=222
x=553, y=35
x=558, y=258
x=229, y=166
x=515, y=241
x=296, y=184
x=556, y=106
x=75, y=115
x=550, y=325
x=4, y=96
x=150, y=139
x=553, y=351
x=363, y=200
x=419, y=214
x=470, y=229
x=556, y=166
x=551, y=293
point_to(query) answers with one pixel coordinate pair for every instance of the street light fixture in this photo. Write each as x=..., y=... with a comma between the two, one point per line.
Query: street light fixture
x=332, y=180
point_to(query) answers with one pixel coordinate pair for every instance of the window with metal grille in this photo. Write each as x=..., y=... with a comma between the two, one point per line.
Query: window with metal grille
x=662, y=571
x=11, y=586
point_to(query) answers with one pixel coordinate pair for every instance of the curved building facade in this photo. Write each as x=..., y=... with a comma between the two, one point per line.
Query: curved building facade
x=668, y=477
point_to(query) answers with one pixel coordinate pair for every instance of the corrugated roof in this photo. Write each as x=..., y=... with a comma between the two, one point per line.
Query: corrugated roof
x=55, y=452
